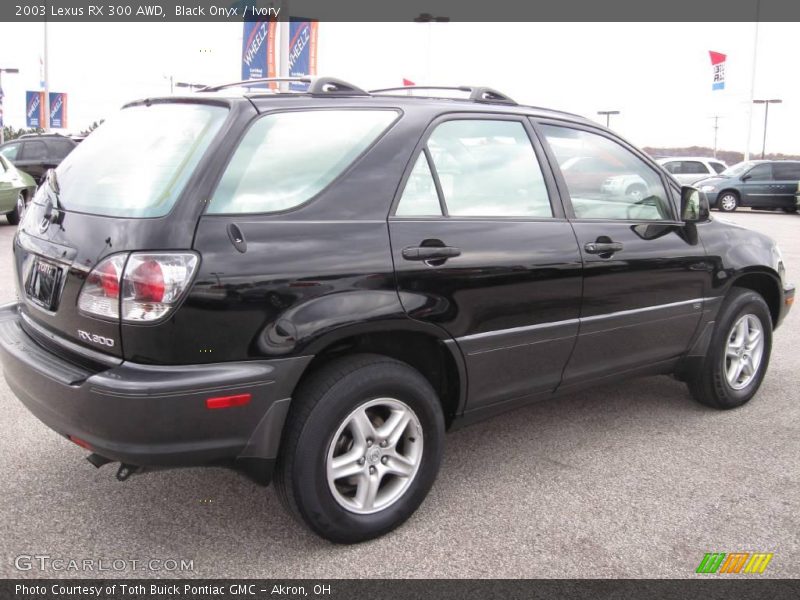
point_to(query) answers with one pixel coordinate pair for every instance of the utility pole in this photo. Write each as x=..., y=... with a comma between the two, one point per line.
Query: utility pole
x=608, y=114
x=766, y=104
x=2, y=116
x=716, y=127
x=752, y=83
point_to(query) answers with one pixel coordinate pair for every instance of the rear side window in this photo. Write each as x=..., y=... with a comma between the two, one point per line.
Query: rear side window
x=58, y=149
x=285, y=159
x=786, y=171
x=718, y=167
x=137, y=163
x=34, y=150
x=486, y=168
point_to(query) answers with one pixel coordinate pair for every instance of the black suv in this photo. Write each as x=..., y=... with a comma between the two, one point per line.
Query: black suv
x=314, y=286
x=762, y=184
x=35, y=153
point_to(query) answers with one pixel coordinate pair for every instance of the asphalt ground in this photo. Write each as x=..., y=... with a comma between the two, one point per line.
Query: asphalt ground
x=630, y=480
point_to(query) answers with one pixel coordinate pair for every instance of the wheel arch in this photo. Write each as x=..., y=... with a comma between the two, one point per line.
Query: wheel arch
x=426, y=348
x=765, y=283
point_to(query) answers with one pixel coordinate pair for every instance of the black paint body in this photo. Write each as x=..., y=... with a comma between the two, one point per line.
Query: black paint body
x=523, y=312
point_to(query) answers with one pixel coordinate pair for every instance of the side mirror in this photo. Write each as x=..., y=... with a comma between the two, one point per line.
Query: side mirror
x=745, y=177
x=694, y=205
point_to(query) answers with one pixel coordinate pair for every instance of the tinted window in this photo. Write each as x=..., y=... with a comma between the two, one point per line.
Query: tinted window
x=761, y=172
x=287, y=158
x=10, y=151
x=58, y=149
x=628, y=189
x=786, y=171
x=673, y=167
x=419, y=196
x=33, y=150
x=718, y=167
x=694, y=167
x=138, y=162
x=488, y=168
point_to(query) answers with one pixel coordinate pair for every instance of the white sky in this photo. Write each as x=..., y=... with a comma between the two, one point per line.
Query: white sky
x=657, y=74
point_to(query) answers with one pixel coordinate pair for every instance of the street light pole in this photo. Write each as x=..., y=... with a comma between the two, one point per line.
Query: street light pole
x=608, y=114
x=766, y=104
x=2, y=116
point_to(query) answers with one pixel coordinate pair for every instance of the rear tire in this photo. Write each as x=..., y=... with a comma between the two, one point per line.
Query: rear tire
x=15, y=216
x=738, y=354
x=728, y=202
x=329, y=450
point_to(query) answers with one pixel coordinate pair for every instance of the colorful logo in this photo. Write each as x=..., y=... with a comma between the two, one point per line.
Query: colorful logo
x=734, y=562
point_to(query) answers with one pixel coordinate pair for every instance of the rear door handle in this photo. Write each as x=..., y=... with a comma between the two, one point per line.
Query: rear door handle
x=603, y=247
x=430, y=252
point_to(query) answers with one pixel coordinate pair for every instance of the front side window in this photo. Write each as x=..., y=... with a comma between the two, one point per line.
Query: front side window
x=486, y=168
x=621, y=186
x=762, y=172
x=718, y=167
x=10, y=151
x=285, y=159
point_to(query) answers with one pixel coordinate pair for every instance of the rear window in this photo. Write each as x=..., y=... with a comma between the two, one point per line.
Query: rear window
x=285, y=159
x=137, y=163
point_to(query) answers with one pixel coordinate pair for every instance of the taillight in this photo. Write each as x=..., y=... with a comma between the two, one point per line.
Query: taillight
x=151, y=285
x=154, y=283
x=100, y=293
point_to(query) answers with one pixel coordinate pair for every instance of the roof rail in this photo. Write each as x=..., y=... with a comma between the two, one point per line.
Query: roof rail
x=316, y=85
x=476, y=94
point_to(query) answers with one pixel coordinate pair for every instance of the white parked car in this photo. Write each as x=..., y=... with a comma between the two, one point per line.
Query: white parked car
x=688, y=169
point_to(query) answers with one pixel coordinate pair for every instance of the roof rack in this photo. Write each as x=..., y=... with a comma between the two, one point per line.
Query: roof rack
x=476, y=94
x=317, y=86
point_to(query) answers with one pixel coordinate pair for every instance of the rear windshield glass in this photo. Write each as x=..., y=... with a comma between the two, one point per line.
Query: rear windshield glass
x=137, y=163
x=287, y=158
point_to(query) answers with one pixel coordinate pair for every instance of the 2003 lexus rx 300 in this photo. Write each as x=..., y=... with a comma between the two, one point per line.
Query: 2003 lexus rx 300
x=316, y=285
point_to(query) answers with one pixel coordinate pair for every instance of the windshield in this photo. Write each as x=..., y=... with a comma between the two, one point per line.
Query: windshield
x=738, y=168
x=137, y=163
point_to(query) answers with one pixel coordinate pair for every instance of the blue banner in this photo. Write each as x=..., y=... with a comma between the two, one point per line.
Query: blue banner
x=34, y=115
x=58, y=110
x=302, y=50
x=258, y=50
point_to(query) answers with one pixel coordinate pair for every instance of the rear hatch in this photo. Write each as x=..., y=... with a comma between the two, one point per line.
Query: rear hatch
x=126, y=188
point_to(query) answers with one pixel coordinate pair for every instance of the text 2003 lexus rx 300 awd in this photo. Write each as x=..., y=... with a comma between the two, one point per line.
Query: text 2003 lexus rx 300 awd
x=314, y=286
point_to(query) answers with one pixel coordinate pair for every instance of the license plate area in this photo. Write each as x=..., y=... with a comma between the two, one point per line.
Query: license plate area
x=43, y=286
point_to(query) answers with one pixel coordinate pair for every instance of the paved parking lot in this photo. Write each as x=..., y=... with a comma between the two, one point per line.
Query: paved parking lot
x=632, y=480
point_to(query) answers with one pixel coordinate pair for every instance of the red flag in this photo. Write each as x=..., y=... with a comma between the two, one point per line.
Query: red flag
x=717, y=57
x=408, y=82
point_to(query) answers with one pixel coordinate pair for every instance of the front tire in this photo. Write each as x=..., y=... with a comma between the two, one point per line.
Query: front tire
x=362, y=446
x=728, y=202
x=738, y=354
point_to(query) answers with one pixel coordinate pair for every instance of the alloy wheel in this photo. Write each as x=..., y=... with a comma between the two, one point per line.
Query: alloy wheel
x=374, y=456
x=744, y=351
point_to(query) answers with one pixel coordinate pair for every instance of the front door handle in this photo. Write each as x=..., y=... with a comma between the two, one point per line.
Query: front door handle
x=430, y=252
x=603, y=247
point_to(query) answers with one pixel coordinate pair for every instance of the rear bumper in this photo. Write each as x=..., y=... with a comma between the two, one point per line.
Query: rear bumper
x=151, y=415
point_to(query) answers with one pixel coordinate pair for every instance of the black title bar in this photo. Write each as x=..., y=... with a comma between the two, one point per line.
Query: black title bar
x=400, y=10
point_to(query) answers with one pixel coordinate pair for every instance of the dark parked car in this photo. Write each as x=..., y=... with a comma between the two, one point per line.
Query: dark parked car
x=764, y=184
x=38, y=152
x=315, y=286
